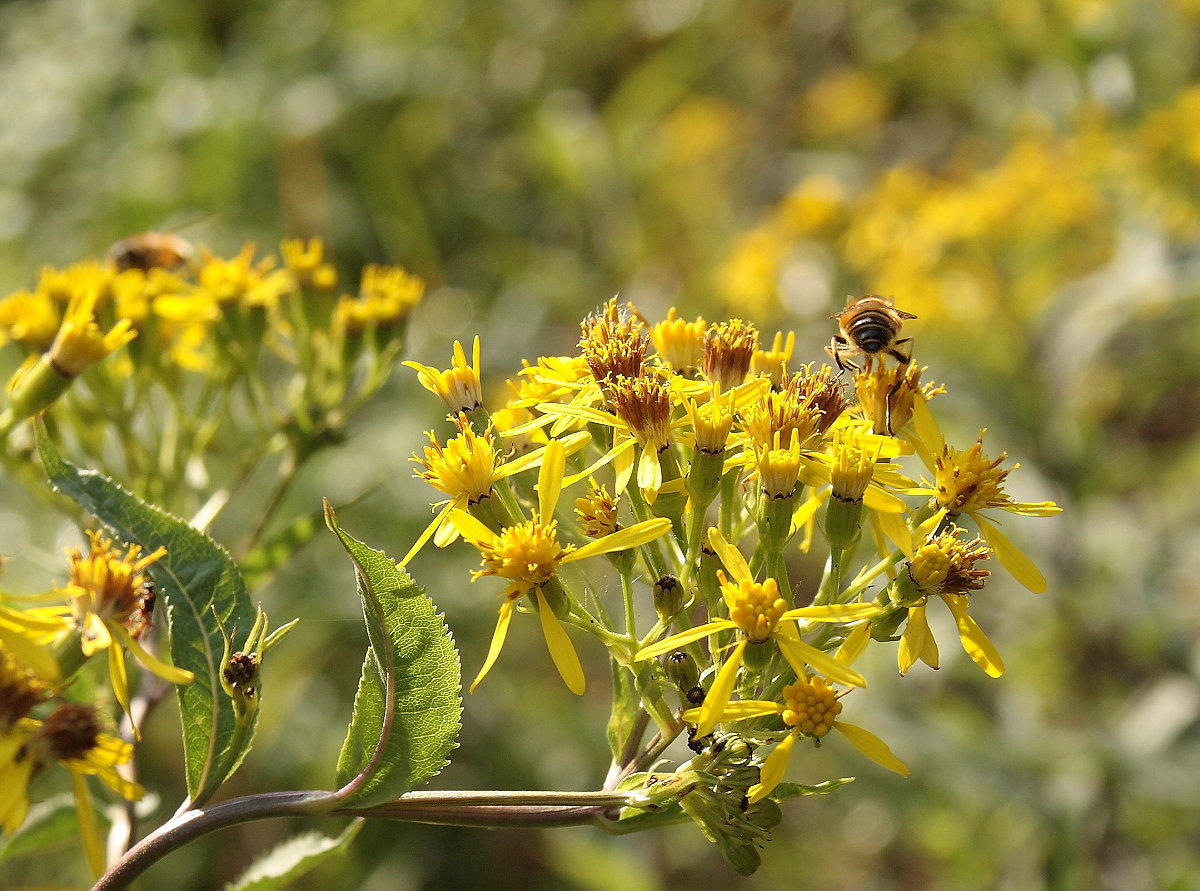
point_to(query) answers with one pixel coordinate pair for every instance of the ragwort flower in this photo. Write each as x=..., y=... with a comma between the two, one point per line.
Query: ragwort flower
x=945, y=567
x=810, y=707
x=107, y=591
x=968, y=482
x=529, y=554
x=758, y=613
x=69, y=736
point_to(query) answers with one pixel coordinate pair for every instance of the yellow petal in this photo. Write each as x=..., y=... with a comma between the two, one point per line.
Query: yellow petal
x=929, y=437
x=738, y=710
x=623, y=464
x=120, y=683
x=974, y=641
x=37, y=658
x=439, y=522
x=835, y=612
x=167, y=672
x=805, y=512
x=682, y=639
x=798, y=654
x=622, y=539
x=471, y=528
x=550, y=479
x=773, y=769
x=730, y=556
x=649, y=474
x=917, y=642
x=1034, y=508
x=878, y=498
x=872, y=746
x=95, y=635
x=89, y=832
x=1012, y=558
x=720, y=692
x=896, y=530
x=562, y=651
x=506, y=611
x=14, y=783
x=854, y=644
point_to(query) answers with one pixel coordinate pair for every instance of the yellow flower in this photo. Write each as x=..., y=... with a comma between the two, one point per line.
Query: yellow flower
x=459, y=387
x=945, y=567
x=614, y=344
x=232, y=281
x=597, y=512
x=729, y=348
x=773, y=363
x=529, y=554
x=641, y=415
x=306, y=261
x=968, y=482
x=392, y=287
x=80, y=342
x=69, y=736
x=466, y=469
x=28, y=318
x=802, y=411
x=758, y=613
x=107, y=591
x=678, y=343
x=810, y=707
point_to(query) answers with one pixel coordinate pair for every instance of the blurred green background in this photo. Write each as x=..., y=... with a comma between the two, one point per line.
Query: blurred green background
x=1022, y=174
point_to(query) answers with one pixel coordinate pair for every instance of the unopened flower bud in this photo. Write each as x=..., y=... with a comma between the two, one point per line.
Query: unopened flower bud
x=668, y=597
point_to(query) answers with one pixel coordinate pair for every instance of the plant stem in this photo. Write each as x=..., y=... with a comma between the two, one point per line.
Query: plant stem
x=487, y=809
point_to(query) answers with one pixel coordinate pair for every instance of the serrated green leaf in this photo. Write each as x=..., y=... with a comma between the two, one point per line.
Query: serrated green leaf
x=409, y=704
x=196, y=576
x=292, y=859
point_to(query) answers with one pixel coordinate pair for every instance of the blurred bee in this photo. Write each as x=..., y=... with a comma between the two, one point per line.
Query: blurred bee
x=150, y=250
x=870, y=326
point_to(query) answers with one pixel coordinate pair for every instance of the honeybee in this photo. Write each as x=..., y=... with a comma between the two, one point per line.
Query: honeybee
x=870, y=327
x=150, y=250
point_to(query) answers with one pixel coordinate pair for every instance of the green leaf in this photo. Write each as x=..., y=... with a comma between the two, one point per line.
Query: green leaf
x=51, y=825
x=292, y=859
x=784, y=791
x=196, y=576
x=409, y=703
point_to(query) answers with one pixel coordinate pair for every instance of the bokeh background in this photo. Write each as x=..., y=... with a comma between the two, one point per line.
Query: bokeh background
x=1022, y=174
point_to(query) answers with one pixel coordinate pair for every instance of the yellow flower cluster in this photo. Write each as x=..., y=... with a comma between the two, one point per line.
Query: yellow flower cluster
x=710, y=444
x=981, y=233
x=215, y=356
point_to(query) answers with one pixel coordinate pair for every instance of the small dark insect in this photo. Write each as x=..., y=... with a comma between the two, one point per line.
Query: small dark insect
x=150, y=250
x=870, y=326
x=142, y=618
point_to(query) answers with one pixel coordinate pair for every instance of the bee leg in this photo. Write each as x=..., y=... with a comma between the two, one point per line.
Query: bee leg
x=837, y=349
x=891, y=396
x=901, y=351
